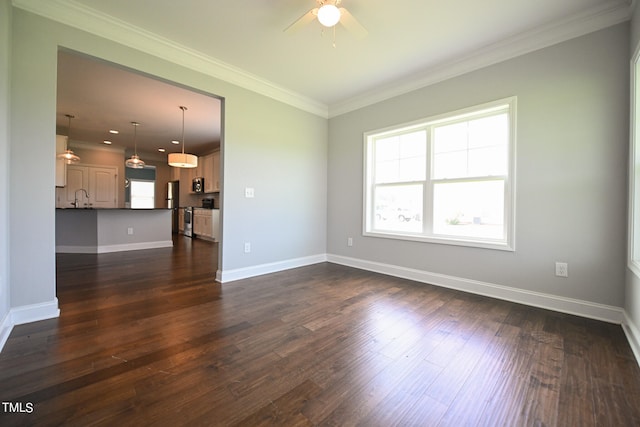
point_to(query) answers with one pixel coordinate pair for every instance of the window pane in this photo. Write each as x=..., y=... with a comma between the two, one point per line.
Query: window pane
x=450, y=164
x=401, y=158
x=142, y=194
x=477, y=147
x=489, y=131
x=470, y=209
x=398, y=208
x=488, y=161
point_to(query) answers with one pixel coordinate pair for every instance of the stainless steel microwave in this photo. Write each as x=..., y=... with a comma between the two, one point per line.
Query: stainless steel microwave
x=198, y=185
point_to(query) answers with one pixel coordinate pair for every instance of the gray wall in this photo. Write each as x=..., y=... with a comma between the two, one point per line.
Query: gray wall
x=5, y=52
x=277, y=149
x=632, y=289
x=572, y=127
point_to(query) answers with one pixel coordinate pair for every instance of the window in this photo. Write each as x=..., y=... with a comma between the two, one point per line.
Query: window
x=634, y=170
x=142, y=194
x=447, y=179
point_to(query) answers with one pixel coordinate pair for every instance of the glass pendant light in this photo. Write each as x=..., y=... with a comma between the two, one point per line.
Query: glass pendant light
x=135, y=162
x=68, y=156
x=182, y=160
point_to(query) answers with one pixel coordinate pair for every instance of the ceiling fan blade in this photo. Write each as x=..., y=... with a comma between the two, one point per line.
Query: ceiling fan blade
x=352, y=24
x=302, y=21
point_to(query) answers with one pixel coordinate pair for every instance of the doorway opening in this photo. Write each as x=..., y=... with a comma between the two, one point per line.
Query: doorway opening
x=105, y=99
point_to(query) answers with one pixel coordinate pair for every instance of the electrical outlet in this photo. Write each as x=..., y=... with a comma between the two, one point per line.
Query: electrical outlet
x=247, y=247
x=350, y=241
x=130, y=231
x=562, y=269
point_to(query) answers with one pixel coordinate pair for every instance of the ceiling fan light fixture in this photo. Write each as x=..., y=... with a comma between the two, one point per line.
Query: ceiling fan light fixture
x=328, y=15
x=182, y=160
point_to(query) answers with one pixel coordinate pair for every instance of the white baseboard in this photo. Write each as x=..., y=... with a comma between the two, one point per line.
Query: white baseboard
x=5, y=330
x=633, y=336
x=27, y=314
x=225, y=276
x=34, y=312
x=103, y=249
x=577, y=307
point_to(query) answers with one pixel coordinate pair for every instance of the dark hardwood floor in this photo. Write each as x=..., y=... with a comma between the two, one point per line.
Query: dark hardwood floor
x=149, y=338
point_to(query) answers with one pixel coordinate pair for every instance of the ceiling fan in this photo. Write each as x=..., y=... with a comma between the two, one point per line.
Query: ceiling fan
x=329, y=14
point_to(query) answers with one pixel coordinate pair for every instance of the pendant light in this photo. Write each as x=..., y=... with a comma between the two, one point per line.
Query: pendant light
x=68, y=156
x=134, y=162
x=181, y=160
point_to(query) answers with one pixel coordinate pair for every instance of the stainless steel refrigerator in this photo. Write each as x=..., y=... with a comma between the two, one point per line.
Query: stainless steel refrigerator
x=173, y=203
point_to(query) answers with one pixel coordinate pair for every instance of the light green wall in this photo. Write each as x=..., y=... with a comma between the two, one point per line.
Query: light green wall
x=277, y=149
x=5, y=53
x=632, y=288
x=572, y=126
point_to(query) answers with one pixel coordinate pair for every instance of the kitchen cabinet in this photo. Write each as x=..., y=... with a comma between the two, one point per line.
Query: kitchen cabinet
x=211, y=172
x=102, y=187
x=207, y=172
x=206, y=223
x=181, y=220
x=215, y=173
x=99, y=182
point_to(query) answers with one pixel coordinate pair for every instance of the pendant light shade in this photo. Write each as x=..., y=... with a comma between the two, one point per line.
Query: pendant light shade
x=135, y=162
x=182, y=160
x=68, y=156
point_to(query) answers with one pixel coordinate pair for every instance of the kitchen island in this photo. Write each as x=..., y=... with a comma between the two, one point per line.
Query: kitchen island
x=112, y=230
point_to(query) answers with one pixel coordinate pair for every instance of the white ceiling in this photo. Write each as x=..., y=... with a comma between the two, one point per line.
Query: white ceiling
x=411, y=43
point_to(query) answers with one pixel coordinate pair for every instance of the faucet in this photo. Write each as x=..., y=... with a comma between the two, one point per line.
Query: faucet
x=76, y=203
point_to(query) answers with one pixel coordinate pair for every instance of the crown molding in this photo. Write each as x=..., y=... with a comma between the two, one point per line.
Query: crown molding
x=597, y=18
x=71, y=13
x=75, y=15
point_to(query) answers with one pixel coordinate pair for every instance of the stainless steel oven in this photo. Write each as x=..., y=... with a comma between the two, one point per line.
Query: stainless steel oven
x=188, y=222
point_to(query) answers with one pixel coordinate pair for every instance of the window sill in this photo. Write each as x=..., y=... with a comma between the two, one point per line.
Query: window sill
x=482, y=244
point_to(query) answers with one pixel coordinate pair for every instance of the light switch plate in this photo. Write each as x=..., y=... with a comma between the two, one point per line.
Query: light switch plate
x=249, y=192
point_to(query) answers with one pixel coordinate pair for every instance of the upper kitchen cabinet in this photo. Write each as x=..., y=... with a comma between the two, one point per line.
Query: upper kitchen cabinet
x=211, y=172
x=216, y=171
x=98, y=183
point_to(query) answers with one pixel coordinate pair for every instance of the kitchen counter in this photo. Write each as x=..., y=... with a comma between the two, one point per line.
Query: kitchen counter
x=101, y=230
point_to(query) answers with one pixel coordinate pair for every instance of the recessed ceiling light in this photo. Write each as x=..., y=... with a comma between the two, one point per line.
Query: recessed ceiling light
x=113, y=131
x=175, y=142
x=107, y=142
x=162, y=150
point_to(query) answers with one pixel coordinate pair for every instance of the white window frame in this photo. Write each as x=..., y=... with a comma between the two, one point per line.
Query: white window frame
x=132, y=202
x=633, y=251
x=508, y=243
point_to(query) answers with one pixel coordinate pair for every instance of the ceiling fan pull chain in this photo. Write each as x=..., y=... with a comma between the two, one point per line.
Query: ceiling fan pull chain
x=334, y=36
